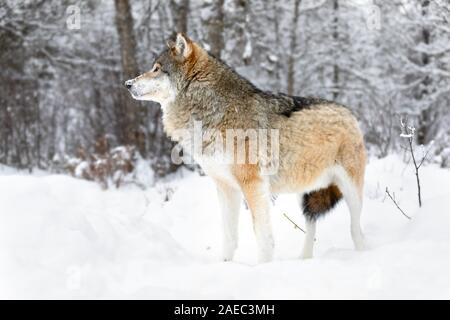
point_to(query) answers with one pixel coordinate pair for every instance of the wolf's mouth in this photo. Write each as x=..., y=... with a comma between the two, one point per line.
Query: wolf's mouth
x=136, y=93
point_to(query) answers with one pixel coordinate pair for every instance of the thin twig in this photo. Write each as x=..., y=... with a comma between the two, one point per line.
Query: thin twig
x=416, y=168
x=404, y=148
x=424, y=157
x=295, y=225
x=396, y=204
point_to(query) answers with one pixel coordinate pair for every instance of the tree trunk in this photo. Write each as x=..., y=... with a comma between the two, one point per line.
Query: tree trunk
x=336, y=40
x=214, y=25
x=128, y=114
x=426, y=115
x=275, y=9
x=180, y=12
x=293, y=49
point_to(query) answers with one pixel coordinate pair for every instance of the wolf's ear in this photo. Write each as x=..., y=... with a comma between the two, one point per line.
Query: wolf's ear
x=182, y=47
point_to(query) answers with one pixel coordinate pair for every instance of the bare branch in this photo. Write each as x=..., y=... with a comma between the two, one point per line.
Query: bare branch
x=425, y=156
x=396, y=204
x=295, y=225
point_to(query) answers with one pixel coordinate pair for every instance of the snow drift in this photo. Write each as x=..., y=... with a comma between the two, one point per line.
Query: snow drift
x=61, y=237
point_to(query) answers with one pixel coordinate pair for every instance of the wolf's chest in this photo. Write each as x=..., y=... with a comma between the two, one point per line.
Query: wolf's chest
x=217, y=170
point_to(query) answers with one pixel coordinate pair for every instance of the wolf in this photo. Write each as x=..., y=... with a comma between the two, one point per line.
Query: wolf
x=321, y=152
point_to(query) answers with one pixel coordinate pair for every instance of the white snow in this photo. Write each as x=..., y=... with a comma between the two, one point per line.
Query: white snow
x=248, y=49
x=62, y=237
x=81, y=168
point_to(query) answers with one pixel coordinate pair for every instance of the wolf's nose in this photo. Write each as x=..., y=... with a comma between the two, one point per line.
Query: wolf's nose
x=129, y=84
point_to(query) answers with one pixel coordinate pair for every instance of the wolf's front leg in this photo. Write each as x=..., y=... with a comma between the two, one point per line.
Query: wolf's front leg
x=230, y=201
x=258, y=198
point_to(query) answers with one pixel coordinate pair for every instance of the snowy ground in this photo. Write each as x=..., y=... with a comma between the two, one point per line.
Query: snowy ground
x=66, y=238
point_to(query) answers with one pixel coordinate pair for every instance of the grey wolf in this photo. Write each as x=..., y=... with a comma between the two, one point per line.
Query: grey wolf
x=321, y=150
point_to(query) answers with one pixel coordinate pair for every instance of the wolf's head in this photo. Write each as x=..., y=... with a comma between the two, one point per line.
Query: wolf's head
x=170, y=70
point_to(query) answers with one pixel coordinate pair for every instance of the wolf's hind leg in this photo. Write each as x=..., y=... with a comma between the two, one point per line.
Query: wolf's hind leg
x=229, y=200
x=353, y=198
x=355, y=206
x=314, y=205
x=308, y=246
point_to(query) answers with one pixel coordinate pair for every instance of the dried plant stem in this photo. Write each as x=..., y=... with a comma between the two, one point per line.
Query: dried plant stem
x=396, y=204
x=295, y=225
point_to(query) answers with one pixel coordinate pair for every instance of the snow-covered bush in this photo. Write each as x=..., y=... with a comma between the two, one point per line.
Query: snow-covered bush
x=440, y=153
x=117, y=166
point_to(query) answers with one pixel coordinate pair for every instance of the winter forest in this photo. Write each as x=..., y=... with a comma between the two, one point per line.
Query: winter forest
x=64, y=63
x=92, y=205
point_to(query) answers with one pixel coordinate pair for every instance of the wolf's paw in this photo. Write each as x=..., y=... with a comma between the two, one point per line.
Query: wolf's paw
x=228, y=256
x=360, y=243
x=228, y=252
x=360, y=246
x=264, y=258
x=265, y=255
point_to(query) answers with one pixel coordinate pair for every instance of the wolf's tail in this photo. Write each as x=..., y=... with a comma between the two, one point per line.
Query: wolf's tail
x=318, y=203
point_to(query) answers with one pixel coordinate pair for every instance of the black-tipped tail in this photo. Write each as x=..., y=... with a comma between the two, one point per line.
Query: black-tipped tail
x=318, y=203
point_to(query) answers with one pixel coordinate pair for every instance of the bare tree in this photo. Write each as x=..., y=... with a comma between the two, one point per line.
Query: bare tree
x=292, y=50
x=426, y=115
x=408, y=132
x=336, y=39
x=180, y=12
x=128, y=115
x=214, y=25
